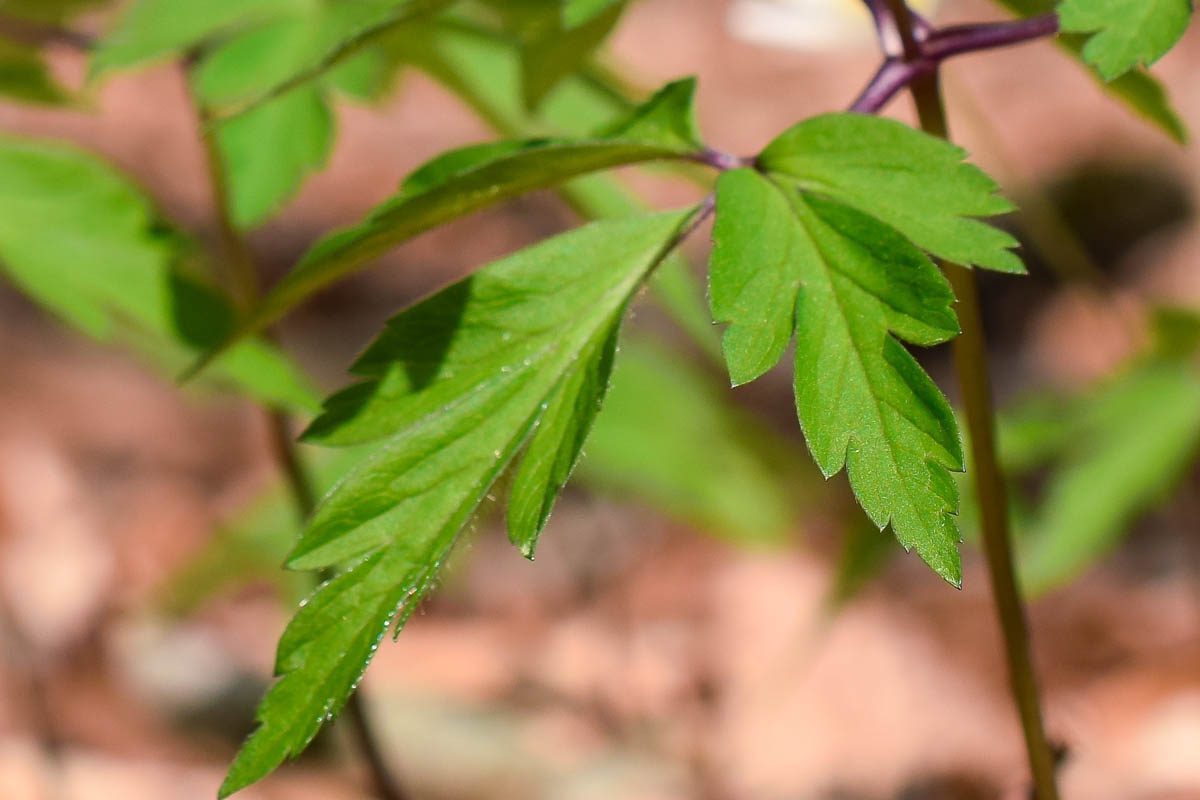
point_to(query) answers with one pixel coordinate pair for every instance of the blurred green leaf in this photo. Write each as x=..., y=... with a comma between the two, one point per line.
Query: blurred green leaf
x=1125, y=33
x=470, y=180
x=577, y=12
x=48, y=10
x=1138, y=89
x=483, y=69
x=155, y=29
x=865, y=554
x=1130, y=442
x=24, y=76
x=668, y=436
x=454, y=387
x=268, y=152
x=550, y=49
x=82, y=241
x=293, y=50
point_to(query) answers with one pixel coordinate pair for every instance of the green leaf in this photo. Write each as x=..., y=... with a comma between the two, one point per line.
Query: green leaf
x=268, y=152
x=1142, y=92
x=845, y=281
x=1126, y=33
x=551, y=50
x=456, y=384
x=82, y=241
x=483, y=69
x=557, y=443
x=47, y=10
x=668, y=436
x=24, y=76
x=554, y=52
x=578, y=12
x=155, y=29
x=466, y=183
x=266, y=62
x=1130, y=444
x=916, y=183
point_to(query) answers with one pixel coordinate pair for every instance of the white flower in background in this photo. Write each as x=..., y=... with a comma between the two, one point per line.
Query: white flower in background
x=807, y=24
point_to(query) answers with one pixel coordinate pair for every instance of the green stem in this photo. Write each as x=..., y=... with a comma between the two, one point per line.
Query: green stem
x=970, y=358
x=244, y=284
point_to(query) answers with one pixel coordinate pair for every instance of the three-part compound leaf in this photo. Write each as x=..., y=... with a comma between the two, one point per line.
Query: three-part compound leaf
x=1127, y=33
x=789, y=260
x=454, y=388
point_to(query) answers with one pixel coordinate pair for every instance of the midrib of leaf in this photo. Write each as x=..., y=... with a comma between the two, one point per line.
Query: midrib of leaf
x=361, y=520
x=833, y=276
x=837, y=283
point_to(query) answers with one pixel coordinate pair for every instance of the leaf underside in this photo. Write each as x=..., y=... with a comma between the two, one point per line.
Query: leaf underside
x=517, y=356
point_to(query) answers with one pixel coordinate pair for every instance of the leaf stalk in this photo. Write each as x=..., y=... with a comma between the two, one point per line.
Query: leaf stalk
x=915, y=49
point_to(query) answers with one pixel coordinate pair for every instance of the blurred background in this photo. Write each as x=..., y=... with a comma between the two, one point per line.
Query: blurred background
x=707, y=618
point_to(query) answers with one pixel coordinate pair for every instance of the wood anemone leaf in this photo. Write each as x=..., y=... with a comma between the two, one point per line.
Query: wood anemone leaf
x=455, y=386
x=916, y=183
x=82, y=241
x=793, y=264
x=465, y=181
x=1126, y=33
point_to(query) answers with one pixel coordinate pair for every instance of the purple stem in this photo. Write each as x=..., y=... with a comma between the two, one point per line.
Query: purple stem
x=885, y=27
x=960, y=39
x=891, y=79
x=934, y=46
x=720, y=160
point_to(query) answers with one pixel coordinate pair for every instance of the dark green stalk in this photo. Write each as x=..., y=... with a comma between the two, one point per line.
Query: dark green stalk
x=970, y=357
x=244, y=283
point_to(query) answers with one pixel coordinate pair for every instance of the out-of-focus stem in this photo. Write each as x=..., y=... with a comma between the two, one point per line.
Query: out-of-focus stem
x=970, y=357
x=243, y=275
